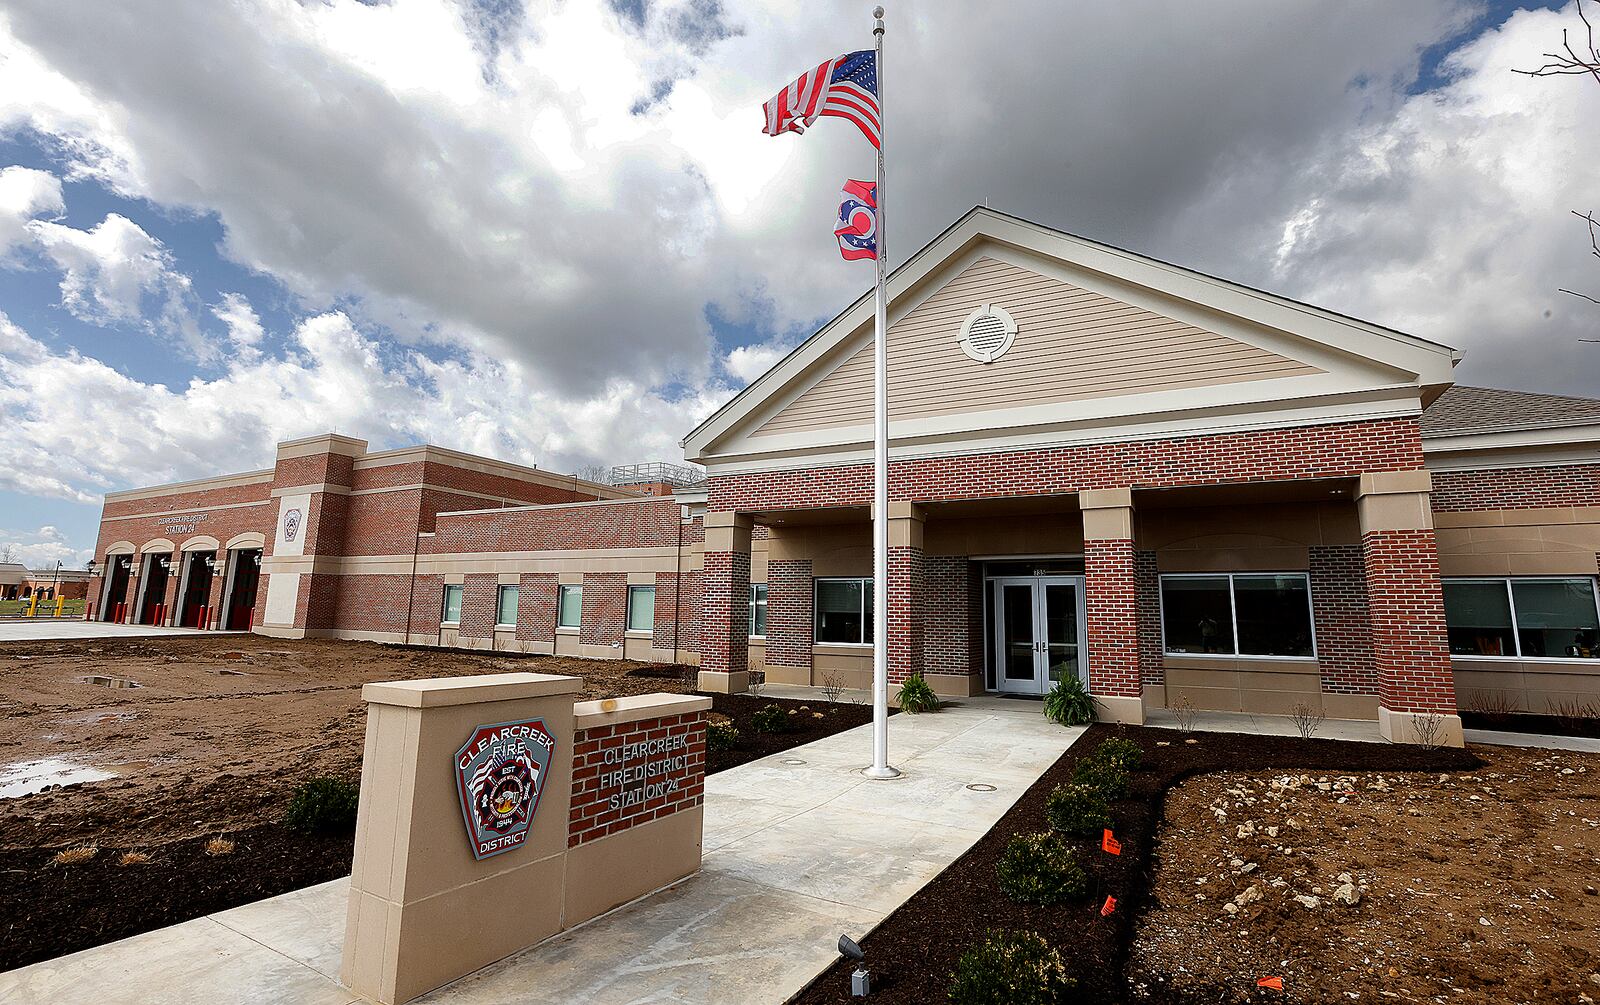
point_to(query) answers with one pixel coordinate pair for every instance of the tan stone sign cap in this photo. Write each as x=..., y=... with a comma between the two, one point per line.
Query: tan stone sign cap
x=608, y=711
x=439, y=692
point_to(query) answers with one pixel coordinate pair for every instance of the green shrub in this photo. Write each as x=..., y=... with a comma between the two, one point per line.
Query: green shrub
x=1076, y=808
x=1122, y=752
x=721, y=735
x=1069, y=703
x=1040, y=869
x=916, y=696
x=324, y=805
x=1010, y=968
x=1109, y=778
x=771, y=719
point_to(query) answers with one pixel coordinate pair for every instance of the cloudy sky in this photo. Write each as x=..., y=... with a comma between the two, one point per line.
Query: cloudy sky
x=553, y=232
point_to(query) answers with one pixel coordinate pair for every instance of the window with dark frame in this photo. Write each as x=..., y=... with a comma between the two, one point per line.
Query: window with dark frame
x=569, y=606
x=758, y=610
x=1237, y=614
x=452, y=605
x=1526, y=617
x=641, y=608
x=505, y=608
x=844, y=611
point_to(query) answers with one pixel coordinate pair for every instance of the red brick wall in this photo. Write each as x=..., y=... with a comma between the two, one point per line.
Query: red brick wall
x=536, y=606
x=1111, y=608
x=1406, y=606
x=906, y=594
x=427, y=604
x=605, y=609
x=1343, y=625
x=948, y=627
x=1147, y=577
x=676, y=781
x=1343, y=449
x=1516, y=488
x=647, y=523
x=725, y=612
x=790, y=599
x=478, y=597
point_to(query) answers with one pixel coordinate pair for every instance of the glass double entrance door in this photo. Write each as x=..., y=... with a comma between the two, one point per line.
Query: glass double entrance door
x=1038, y=632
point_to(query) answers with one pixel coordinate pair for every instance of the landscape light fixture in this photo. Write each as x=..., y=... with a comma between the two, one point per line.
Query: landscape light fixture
x=860, y=977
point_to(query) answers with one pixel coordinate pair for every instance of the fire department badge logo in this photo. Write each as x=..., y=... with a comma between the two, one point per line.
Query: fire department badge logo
x=291, y=524
x=500, y=775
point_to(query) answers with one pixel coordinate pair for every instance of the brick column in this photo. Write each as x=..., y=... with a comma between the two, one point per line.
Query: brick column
x=725, y=605
x=790, y=626
x=1405, y=606
x=906, y=596
x=536, y=609
x=219, y=579
x=479, y=592
x=1111, y=603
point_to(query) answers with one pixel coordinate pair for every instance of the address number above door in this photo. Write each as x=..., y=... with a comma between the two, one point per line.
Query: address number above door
x=987, y=333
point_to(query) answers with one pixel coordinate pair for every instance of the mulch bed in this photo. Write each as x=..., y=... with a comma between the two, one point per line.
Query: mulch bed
x=49, y=910
x=913, y=952
x=1524, y=722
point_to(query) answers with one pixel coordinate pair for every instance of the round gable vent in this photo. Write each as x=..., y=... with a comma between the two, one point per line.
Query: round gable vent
x=988, y=333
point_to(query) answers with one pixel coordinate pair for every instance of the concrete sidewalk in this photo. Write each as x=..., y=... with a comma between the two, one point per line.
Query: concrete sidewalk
x=799, y=847
x=38, y=629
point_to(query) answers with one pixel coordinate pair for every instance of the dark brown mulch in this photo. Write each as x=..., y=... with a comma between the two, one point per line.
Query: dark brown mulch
x=1523, y=722
x=913, y=952
x=49, y=910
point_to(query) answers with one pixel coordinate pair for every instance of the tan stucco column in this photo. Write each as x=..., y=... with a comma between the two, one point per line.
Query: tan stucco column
x=1111, y=603
x=424, y=908
x=725, y=607
x=1405, y=600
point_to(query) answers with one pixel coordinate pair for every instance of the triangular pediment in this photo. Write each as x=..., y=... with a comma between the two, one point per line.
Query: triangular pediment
x=1071, y=344
x=1108, y=344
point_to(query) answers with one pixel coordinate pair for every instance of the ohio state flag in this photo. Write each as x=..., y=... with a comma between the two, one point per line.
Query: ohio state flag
x=857, y=228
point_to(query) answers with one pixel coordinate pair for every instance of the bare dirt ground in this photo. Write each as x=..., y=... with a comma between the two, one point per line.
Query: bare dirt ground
x=1472, y=888
x=219, y=731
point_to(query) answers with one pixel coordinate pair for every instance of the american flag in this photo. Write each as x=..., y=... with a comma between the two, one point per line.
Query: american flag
x=846, y=86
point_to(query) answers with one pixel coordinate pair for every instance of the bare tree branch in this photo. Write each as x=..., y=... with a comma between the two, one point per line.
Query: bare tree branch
x=1569, y=62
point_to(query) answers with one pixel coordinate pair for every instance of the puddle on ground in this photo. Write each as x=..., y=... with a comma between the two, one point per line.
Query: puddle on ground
x=28, y=777
x=223, y=672
x=100, y=680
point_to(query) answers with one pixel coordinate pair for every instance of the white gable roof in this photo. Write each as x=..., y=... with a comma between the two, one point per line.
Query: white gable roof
x=1305, y=364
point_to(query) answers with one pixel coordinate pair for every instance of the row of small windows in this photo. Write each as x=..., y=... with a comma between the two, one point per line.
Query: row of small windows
x=1208, y=614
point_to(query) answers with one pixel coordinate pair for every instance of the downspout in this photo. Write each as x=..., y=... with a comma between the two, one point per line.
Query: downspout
x=677, y=587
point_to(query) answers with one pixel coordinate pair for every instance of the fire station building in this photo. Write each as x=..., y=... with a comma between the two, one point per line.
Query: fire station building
x=1180, y=489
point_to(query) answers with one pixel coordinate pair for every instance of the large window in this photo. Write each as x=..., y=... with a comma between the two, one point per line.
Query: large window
x=505, y=610
x=758, y=610
x=844, y=611
x=1532, y=618
x=641, y=608
x=1237, y=614
x=569, y=606
x=452, y=605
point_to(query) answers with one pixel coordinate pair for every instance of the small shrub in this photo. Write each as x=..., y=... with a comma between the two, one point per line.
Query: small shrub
x=1307, y=719
x=1076, y=808
x=1120, y=751
x=75, y=856
x=771, y=719
x=1186, y=714
x=832, y=685
x=134, y=858
x=757, y=682
x=1109, y=778
x=1069, y=703
x=916, y=696
x=219, y=846
x=721, y=735
x=1430, y=730
x=1010, y=968
x=1040, y=869
x=324, y=805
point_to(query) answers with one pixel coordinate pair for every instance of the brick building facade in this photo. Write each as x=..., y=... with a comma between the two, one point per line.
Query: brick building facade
x=1176, y=489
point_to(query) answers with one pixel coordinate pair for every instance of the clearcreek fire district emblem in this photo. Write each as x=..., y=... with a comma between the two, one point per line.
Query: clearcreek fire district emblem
x=500, y=774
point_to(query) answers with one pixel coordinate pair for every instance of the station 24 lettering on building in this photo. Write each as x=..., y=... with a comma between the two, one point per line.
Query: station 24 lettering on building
x=1178, y=488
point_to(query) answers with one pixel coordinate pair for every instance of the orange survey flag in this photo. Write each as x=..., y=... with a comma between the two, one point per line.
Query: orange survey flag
x=1275, y=983
x=1109, y=843
x=1109, y=906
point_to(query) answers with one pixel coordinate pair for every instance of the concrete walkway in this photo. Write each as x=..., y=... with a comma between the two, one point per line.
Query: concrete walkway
x=799, y=848
x=37, y=629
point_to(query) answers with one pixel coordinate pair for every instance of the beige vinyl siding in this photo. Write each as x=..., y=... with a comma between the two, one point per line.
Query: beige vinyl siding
x=1071, y=344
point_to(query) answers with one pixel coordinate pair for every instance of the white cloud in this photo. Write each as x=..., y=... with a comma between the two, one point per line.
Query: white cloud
x=41, y=549
x=25, y=193
x=242, y=322
x=109, y=271
x=748, y=362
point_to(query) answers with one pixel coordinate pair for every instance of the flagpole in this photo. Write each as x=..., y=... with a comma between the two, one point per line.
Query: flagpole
x=880, y=458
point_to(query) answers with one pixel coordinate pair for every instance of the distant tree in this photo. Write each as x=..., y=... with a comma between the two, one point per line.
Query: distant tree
x=8, y=554
x=595, y=473
x=1580, y=61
